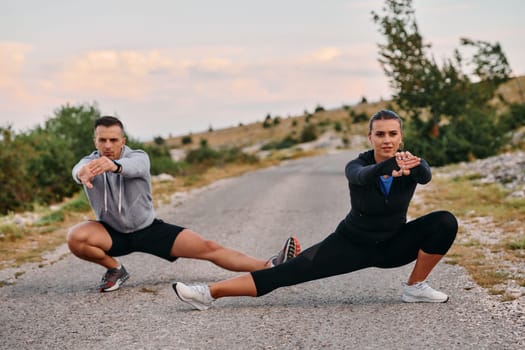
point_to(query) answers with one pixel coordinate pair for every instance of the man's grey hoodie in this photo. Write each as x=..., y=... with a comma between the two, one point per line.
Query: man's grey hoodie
x=122, y=200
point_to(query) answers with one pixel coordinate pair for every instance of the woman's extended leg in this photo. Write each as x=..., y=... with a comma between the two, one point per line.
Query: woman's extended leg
x=333, y=256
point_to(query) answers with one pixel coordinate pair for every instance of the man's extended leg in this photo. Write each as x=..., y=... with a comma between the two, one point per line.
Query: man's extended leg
x=190, y=244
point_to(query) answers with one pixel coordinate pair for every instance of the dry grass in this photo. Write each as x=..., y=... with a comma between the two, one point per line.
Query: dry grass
x=491, y=230
x=514, y=90
x=250, y=134
x=33, y=241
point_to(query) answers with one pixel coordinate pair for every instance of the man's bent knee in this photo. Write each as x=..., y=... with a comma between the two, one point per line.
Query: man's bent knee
x=88, y=234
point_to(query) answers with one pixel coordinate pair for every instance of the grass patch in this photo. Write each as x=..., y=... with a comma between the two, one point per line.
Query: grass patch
x=468, y=199
x=51, y=218
x=515, y=245
x=78, y=204
x=11, y=232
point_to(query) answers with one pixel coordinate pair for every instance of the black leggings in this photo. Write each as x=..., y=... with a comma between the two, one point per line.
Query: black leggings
x=337, y=254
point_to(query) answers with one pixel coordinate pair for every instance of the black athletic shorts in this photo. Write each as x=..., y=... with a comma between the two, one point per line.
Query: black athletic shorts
x=156, y=239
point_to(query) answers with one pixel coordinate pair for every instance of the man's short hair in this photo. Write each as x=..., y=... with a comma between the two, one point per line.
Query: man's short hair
x=107, y=121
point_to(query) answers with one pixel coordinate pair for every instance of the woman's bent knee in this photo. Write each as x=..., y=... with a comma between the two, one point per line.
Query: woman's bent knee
x=448, y=224
x=443, y=234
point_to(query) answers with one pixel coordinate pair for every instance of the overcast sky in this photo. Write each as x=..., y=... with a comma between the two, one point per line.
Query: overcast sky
x=174, y=67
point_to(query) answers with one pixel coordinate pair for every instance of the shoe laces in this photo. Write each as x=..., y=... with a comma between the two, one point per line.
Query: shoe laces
x=202, y=290
x=110, y=273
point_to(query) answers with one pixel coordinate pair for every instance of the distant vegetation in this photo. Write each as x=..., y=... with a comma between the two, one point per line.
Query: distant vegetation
x=452, y=114
x=449, y=107
x=35, y=166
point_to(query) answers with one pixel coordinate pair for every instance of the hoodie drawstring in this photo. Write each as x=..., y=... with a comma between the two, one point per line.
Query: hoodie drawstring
x=105, y=193
x=119, y=194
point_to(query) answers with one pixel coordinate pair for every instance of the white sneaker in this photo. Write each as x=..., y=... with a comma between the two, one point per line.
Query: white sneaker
x=421, y=292
x=197, y=296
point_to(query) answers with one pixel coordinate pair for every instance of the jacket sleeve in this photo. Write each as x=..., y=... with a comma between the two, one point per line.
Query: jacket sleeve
x=136, y=163
x=422, y=173
x=358, y=172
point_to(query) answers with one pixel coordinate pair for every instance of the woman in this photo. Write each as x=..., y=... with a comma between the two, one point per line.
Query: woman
x=375, y=233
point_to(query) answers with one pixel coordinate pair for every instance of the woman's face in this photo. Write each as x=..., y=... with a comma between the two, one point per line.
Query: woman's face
x=385, y=138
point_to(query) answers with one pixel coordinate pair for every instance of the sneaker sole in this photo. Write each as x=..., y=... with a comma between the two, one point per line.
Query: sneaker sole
x=195, y=304
x=409, y=299
x=116, y=286
x=291, y=247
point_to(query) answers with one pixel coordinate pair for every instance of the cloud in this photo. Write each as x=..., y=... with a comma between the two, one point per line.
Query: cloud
x=201, y=82
x=12, y=64
x=322, y=55
x=123, y=74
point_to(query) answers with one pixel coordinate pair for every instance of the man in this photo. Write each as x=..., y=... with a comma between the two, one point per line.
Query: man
x=117, y=182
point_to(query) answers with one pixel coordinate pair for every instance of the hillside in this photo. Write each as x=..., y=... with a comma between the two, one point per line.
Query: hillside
x=255, y=133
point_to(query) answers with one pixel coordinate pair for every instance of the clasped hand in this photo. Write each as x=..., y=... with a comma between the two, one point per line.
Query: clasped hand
x=93, y=168
x=405, y=161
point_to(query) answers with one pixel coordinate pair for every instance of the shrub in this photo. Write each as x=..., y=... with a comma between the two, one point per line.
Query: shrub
x=51, y=218
x=267, y=122
x=358, y=117
x=476, y=134
x=309, y=133
x=287, y=142
x=78, y=204
x=319, y=108
x=161, y=161
x=159, y=140
x=207, y=156
x=203, y=154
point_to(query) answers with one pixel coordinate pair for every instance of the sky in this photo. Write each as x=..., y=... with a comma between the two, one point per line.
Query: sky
x=173, y=67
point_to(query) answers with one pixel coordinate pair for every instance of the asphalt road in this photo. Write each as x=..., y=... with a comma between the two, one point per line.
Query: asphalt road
x=57, y=306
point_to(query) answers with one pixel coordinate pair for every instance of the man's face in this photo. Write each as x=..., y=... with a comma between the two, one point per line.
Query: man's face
x=109, y=141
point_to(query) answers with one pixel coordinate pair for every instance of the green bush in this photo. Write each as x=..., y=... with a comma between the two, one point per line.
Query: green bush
x=267, y=122
x=357, y=117
x=514, y=117
x=51, y=218
x=78, y=204
x=287, y=142
x=159, y=140
x=16, y=184
x=161, y=161
x=11, y=232
x=477, y=134
x=203, y=154
x=309, y=133
x=318, y=109
x=50, y=165
x=207, y=156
